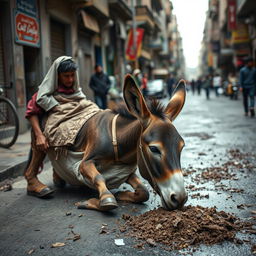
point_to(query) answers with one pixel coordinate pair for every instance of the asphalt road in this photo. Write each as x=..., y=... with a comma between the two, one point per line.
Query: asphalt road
x=210, y=129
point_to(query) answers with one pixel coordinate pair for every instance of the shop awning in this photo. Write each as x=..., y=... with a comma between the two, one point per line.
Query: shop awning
x=160, y=71
x=90, y=22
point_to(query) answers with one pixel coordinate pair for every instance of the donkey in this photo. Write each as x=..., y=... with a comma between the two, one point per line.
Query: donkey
x=113, y=144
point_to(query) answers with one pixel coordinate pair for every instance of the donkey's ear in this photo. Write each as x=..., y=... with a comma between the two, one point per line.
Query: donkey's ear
x=177, y=101
x=134, y=100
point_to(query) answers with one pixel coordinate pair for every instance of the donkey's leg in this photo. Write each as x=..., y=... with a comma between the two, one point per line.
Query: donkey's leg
x=35, y=187
x=106, y=199
x=140, y=194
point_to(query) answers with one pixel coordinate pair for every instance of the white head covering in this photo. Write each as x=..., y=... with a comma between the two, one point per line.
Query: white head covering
x=49, y=85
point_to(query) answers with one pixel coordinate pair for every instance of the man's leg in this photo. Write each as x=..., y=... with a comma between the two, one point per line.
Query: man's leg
x=245, y=101
x=251, y=96
x=104, y=101
x=98, y=101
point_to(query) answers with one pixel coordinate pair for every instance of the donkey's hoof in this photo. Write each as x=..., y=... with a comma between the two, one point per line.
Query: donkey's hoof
x=44, y=193
x=108, y=204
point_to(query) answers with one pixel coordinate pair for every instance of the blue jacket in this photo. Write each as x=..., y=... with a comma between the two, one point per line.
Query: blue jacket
x=247, y=77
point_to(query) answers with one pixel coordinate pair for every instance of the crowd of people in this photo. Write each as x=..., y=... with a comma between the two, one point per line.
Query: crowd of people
x=244, y=81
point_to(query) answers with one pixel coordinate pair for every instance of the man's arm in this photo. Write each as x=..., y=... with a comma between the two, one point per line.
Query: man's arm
x=241, y=80
x=41, y=141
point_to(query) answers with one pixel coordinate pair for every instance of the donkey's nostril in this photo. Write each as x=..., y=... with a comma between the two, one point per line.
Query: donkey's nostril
x=174, y=199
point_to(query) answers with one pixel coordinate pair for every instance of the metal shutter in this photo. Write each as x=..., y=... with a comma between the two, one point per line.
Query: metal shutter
x=58, y=45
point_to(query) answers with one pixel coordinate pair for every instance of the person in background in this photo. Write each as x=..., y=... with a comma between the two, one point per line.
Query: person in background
x=217, y=84
x=170, y=84
x=100, y=84
x=193, y=86
x=137, y=76
x=206, y=84
x=144, y=84
x=199, y=85
x=247, y=80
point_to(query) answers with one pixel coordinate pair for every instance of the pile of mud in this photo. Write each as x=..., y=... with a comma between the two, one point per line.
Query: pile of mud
x=191, y=226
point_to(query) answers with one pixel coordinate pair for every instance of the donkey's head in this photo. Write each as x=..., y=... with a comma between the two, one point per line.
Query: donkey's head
x=160, y=144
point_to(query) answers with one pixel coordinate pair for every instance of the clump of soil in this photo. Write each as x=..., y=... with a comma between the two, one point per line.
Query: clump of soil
x=191, y=226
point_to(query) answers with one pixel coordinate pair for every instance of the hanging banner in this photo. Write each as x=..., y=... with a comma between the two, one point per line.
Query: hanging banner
x=232, y=15
x=131, y=53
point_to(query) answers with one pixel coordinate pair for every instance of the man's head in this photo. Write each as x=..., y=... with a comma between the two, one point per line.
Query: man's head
x=98, y=68
x=67, y=73
x=249, y=62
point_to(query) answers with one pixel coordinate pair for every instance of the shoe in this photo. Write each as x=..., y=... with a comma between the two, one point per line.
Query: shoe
x=252, y=112
x=44, y=193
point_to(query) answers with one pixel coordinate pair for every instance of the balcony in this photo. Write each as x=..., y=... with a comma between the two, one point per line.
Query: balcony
x=145, y=18
x=120, y=9
x=98, y=8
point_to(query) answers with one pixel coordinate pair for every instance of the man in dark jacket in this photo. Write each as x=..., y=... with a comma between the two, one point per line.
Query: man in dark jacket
x=100, y=84
x=248, y=85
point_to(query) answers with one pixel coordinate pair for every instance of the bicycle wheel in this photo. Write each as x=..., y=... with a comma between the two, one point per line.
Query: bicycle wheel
x=9, y=123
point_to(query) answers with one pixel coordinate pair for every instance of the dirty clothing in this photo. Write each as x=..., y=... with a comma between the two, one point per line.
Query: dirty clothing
x=65, y=121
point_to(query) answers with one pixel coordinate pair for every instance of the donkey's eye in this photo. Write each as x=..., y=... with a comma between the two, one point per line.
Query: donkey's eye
x=154, y=150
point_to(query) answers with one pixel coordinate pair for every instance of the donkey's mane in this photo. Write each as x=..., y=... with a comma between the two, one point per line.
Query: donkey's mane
x=155, y=107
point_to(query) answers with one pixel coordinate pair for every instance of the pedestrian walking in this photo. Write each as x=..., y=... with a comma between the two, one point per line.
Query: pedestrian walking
x=100, y=84
x=199, y=85
x=144, y=84
x=193, y=86
x=247, y=79
x=206, y=84
x=216, y=84
x=171, y=82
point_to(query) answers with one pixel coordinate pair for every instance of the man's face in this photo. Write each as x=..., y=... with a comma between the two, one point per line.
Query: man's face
x=250, y=64
x=67, y=78
x=99, y=69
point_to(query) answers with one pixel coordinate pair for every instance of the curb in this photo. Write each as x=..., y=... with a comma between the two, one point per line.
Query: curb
x=13, y=171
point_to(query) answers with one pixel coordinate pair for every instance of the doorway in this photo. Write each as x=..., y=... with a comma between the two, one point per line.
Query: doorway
x=31, y=69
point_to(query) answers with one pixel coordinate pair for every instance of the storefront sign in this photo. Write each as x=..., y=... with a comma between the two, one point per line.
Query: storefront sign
x=240, y=35
x=28, y=7
x=232, y=15
x=27, y=30
x=133, y=52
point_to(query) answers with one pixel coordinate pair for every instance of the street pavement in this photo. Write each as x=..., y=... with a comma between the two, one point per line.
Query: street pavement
x=210, y=129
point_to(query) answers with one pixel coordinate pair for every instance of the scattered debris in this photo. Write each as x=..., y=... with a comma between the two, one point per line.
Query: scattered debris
x=119, y=242
x=55, y=245
x=104, y=229
x=68, y=213
x=75, y=236
x=80, y=215
x=191, y=226
x=31, y=251
x=6, y=187
x=253, y=249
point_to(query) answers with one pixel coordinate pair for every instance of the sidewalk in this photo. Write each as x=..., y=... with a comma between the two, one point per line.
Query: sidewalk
x=13, y=160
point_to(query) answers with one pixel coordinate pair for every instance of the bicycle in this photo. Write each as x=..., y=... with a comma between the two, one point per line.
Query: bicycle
x=9, y=122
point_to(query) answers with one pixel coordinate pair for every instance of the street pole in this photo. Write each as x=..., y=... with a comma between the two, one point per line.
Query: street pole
x=134, y=33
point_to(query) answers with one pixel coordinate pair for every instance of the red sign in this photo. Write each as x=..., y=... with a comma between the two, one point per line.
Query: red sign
x=131, y=53
x=27, y=30
x=232, y=14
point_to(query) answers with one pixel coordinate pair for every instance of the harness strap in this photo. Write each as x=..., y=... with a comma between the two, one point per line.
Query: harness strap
x=114, y=139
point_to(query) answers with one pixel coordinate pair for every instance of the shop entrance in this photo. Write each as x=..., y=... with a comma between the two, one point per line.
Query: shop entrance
x=31, y=69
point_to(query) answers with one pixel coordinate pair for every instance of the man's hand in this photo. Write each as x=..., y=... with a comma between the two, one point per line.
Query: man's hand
x=241, y=89
x=41, y=143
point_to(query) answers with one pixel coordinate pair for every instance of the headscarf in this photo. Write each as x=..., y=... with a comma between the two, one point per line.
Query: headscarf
x=47, y=89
